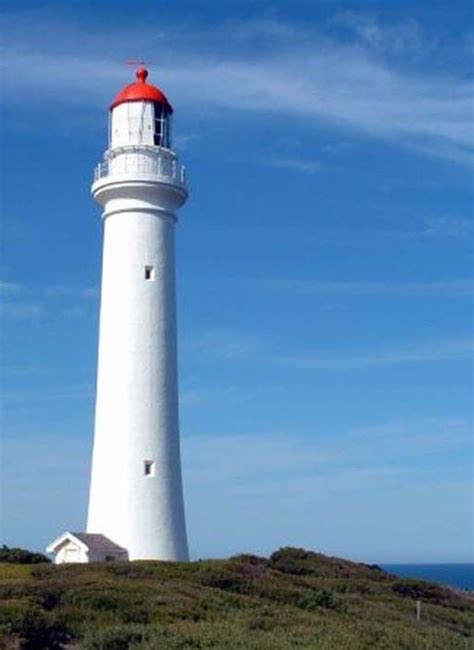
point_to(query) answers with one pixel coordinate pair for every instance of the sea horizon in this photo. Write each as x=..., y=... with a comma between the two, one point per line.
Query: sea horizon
x=459, y=575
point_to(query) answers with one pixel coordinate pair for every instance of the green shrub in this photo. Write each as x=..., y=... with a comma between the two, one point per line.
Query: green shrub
x=124, y=604
x=250, y=567
x=427, y=591
x=21, y=556
x=323, y=599
x=35, y=628
x=118, y=637
x=123, y=637
x=222, y=579
x=292, y=561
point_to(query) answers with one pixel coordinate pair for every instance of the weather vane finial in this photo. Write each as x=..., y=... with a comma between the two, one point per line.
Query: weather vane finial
x=135, y=62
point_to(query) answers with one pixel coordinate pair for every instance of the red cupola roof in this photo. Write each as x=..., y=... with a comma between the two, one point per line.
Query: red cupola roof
x=140, y=91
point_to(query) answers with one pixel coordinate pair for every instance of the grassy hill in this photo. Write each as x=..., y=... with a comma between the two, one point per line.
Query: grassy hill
x=294, y=599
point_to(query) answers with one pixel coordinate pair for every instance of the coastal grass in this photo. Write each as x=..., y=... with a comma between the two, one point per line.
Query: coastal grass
x=294, y=599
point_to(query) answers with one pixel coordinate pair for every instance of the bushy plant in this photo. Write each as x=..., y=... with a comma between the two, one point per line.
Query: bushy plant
x=315, y=599
x=21, y=556
x=291, y=560
x=36, y=628
x=117, y=637
x=428, y=591
x=138, y=637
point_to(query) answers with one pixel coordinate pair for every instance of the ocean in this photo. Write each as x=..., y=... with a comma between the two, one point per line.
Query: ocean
x=460, y=576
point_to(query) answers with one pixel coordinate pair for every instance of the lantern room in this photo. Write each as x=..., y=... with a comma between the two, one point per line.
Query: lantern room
x=140, y=115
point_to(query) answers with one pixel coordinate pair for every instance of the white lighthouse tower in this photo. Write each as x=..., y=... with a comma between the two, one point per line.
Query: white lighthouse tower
x=136, y=497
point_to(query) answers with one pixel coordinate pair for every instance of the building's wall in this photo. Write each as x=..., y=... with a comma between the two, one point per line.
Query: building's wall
x=70, y=552
x=109, y=556
x=132, y=123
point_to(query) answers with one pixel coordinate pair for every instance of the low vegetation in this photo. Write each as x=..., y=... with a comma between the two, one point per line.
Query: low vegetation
x=21, y=556
x=294, y=599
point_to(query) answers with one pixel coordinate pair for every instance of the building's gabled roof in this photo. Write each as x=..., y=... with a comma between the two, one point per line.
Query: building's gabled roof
x=88, y=542
x=98, y=542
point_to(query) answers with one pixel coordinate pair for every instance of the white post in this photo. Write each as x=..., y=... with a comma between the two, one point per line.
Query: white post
x=418, y=610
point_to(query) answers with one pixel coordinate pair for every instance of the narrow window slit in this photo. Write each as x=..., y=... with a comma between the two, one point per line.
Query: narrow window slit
x=149, y=273
x=149, y=468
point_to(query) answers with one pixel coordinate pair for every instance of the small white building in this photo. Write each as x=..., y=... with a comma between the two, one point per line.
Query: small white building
x=86, y=547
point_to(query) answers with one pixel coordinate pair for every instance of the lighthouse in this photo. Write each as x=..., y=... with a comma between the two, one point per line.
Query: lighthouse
x=136, y=496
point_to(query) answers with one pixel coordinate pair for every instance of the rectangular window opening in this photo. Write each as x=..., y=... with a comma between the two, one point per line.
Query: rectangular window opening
x=149, y=273
x=149, y=468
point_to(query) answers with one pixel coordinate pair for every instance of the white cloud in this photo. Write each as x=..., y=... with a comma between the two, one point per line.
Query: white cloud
x=70, y=290
x=307, y=77
x=8, y=287
x=294, y=164
x=335, y=148
x=372, y=288
x=410, y=437
x=182, y=140
x=73, y=312
x=196, y=394
x=396, y=38
x=225, y=345
x=265, y=454
x=29, y=303
x=446, y=227
x=22, y=310
x=271, y=489
x=49, y=394
x=420, y=352
x=228, y=345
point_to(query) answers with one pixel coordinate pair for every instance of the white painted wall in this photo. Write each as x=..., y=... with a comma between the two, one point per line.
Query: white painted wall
x=70, y=552
x=132, y=123
x=136, y=416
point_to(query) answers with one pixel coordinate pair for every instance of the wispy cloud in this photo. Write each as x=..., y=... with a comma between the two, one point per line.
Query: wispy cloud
x=70, y=290
x=397, y=38
x=22, y=310
x=49, y=394
x=424, y=352
x=335, y=148
x=182, y=140
x=346, y=456
x=295, y=164
x=445, y=227
x=265, y=454
x=278, y=486
x=196, y=394
x=371, y=288
x=414, y=435
x=309, y=76
x=23, y=302
x=227, y=345
x=8, y=287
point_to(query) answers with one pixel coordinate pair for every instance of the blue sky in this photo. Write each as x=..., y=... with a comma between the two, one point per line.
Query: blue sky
x=324, y=267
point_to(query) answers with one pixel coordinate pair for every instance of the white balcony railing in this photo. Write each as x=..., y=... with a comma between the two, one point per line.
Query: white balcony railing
x=130, y=161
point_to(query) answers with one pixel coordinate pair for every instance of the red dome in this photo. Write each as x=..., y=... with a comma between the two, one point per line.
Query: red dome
x=141, y=91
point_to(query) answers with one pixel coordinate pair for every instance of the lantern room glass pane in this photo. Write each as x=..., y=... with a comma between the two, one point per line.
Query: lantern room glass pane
x=158, y=125
x=161, y=136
